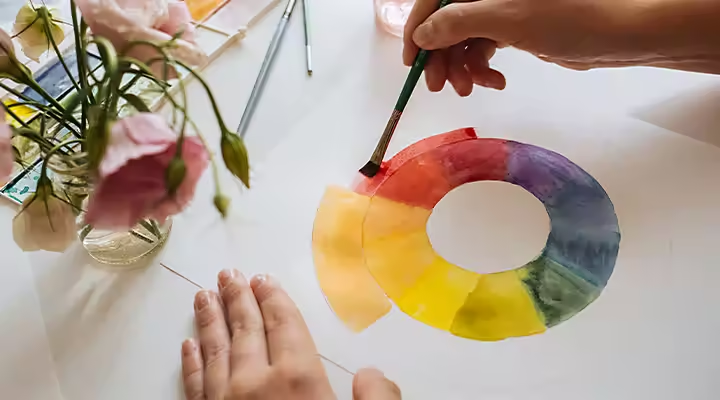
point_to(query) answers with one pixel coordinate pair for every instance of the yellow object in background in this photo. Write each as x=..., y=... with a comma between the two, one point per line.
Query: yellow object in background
x=25, y=113
x=350, y=290
x=499, y=307
x=201, y=9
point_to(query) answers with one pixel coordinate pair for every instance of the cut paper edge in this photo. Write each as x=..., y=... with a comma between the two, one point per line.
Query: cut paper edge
x=350, y=290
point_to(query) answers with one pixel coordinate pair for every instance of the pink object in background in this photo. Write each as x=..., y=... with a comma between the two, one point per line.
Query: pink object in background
x=391, y=15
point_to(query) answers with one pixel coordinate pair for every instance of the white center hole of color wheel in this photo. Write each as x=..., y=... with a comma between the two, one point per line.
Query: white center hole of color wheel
x=488, y=226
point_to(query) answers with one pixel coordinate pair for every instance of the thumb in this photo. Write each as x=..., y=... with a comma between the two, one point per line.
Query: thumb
x=459, y=21
x=371, y=384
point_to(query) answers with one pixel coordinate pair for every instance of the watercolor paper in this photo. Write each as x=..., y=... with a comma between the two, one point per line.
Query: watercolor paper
x=381, y=226
x=53, y=78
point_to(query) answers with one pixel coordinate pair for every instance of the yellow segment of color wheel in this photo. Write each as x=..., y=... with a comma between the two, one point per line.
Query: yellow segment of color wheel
x=365, y=248
x=400, y=256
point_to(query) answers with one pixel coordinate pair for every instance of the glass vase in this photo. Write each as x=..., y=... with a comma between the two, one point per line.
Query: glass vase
x=125, y=248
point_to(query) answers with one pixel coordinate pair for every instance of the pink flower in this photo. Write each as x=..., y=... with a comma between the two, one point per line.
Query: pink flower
x=6, y=151
x=132, y=175
x=123, y=21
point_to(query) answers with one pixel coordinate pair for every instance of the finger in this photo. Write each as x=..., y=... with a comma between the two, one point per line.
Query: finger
x=459, y=21
x=371, y=384
x=214, y=341
x=420, y=11
x=192, y=371
x=287, y=335
x=458, y=76
x=247, y=332
x=477, y=60
x=436, y=71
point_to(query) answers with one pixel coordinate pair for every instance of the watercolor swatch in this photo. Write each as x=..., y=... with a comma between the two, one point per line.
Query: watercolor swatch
x=370, y=244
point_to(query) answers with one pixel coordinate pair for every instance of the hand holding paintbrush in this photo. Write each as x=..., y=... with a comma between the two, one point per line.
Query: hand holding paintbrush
x=373, y=166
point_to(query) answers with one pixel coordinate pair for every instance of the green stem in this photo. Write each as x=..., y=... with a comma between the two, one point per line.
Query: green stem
x=43, y=170
x=204, y=84
x=83, y=43
x=55, y=114
x=211, y=156
x=150, y=228
x=81, y=64
x=57, y=50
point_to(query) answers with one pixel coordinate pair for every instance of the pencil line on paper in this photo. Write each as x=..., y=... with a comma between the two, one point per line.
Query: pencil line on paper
x=181, y=276
x=335, y=364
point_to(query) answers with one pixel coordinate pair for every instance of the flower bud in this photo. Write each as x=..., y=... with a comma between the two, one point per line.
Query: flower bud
x=31, y=28
x=175, y=174
x=10, y=67
x=236, y=157
x=222, y=203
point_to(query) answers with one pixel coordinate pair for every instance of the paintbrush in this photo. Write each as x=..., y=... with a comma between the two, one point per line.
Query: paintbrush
x=373, y=166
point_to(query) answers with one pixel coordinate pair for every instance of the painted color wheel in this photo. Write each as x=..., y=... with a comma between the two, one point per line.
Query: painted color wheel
x=373, y=241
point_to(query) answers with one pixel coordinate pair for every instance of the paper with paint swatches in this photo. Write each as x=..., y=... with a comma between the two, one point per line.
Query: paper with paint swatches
x=370, y=244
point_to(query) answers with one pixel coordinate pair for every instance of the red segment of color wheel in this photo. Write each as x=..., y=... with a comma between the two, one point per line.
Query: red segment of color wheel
x=369, y=186
x=473, y=160
x=421, y=182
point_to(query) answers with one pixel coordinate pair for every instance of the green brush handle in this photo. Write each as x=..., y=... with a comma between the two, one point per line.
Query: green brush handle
x=372, y=167
x=415, y=72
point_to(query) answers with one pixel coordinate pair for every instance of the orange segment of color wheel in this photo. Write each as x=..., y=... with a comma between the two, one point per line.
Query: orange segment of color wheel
x=397, y=248
x=352, y=292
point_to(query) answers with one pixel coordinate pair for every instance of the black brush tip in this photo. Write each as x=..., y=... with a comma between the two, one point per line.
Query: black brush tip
x=370, y=169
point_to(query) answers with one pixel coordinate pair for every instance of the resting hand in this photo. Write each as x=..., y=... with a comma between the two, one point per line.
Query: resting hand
x=586, y=34
x=258, y=347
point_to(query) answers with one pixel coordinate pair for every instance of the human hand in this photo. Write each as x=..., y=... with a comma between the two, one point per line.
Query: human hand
x=258, y=347
x=575, y=34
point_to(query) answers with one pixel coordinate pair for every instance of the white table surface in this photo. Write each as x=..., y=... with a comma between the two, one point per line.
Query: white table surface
x=70, y=330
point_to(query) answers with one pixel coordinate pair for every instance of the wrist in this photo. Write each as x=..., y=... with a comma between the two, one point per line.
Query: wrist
x=673, y=32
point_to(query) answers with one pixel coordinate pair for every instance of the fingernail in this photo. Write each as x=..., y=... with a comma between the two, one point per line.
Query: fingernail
x=224, y=278
x=189, y=347
x=260, y=279
x=424, y=34
x=496, y=83
x=202, y=300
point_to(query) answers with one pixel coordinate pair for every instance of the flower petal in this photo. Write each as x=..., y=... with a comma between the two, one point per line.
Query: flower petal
x=134, y=137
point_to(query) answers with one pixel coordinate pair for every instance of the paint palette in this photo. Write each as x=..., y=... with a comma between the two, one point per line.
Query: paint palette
x=371, y=247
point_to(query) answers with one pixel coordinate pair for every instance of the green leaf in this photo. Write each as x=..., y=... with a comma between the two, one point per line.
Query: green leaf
x=136, y=102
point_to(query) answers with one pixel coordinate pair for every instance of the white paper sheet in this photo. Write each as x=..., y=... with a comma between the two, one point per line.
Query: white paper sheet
x=645, y=337
x=26, y=366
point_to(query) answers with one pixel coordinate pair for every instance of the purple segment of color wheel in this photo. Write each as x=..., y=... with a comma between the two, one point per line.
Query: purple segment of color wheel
x=584, y=235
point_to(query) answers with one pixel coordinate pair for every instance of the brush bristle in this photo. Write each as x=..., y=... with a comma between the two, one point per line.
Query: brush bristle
x=370, y=169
